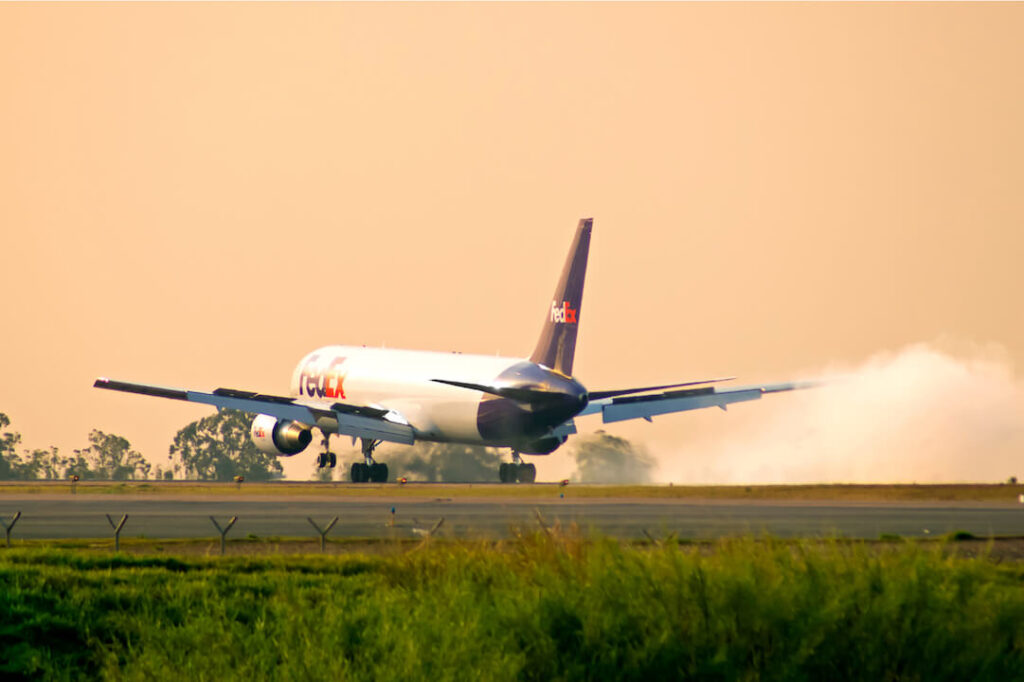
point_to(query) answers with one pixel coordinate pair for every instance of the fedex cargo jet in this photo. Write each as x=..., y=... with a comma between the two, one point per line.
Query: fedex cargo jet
x=382, y=395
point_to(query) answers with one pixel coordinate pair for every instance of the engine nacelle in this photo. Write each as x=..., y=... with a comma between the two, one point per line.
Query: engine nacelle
x=543, y=446
x=280, y=438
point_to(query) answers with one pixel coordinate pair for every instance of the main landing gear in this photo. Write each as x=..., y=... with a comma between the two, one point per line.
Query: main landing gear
x=517, y=470
x=327, y=459
x=362, y=472
x=369, y=471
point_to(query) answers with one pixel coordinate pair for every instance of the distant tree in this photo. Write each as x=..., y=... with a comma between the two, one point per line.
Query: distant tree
x=78, y=465
x=110, y=457
x=10, y=463
x=107, y=457
x=218, y=448
x=160, y=474
x=46, y=464
x=603, y=458
x=450, y=462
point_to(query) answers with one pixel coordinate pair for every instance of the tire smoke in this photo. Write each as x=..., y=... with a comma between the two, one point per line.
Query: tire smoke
x=603, y=458
x=443, y=462
x=918, y=415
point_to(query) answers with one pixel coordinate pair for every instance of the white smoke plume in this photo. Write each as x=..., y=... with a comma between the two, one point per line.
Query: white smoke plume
x=921, y=415
x=603, y=458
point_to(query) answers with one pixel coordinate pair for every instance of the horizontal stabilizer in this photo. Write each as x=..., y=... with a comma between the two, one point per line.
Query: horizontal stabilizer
x=523, y=395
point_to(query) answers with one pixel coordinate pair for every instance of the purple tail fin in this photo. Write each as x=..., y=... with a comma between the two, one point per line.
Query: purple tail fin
x=557, y=343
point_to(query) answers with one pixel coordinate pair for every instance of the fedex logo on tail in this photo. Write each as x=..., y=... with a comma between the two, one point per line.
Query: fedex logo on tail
x=561, y=312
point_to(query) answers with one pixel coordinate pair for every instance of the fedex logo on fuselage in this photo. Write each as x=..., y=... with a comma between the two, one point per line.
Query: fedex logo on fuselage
x=561, y=312
x=322, y=381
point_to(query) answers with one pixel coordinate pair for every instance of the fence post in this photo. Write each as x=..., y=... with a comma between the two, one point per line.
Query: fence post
x=8, y=527
x=223, y=532
x=324, y=532
x=117, y=530
x=540, y=521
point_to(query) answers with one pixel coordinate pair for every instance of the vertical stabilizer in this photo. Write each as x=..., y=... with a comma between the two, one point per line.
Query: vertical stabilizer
x=557, y=343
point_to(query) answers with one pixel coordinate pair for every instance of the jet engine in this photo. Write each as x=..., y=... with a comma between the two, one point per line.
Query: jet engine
x=543, y=446
x=278, y=437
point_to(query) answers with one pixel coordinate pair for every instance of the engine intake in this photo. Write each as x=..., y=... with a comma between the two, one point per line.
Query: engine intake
x=278, y=437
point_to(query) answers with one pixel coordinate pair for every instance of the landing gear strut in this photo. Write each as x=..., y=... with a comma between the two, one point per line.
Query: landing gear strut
x=327, y=458
x=369, y=471
x=517, y=470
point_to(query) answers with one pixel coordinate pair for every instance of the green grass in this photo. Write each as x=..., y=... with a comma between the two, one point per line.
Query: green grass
x=533, y=608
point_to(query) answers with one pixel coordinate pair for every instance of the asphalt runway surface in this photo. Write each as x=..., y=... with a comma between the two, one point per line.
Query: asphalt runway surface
x=84, y=516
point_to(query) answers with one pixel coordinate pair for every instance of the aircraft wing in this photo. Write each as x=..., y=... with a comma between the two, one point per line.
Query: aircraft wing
x=359, y=421
x=648, y=406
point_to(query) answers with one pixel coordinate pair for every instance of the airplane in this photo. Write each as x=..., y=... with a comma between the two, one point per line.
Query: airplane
x=381, y=395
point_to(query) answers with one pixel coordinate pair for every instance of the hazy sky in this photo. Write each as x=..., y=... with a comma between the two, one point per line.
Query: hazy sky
x=196, y=195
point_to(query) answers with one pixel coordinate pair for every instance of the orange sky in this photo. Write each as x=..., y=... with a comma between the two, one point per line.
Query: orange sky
x=196, y=195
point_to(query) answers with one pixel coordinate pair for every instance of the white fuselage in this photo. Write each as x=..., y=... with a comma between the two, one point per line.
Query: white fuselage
x=402, y=381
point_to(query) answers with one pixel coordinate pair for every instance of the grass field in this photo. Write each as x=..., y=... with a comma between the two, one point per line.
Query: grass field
x=966, y=492
x=537, y=607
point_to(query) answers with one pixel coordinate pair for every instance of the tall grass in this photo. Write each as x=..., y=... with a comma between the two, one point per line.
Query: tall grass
x=535, y=608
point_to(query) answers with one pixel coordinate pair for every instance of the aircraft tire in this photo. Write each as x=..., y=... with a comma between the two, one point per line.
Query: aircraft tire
x=378, y=473
x=527, y=473
x=359, y=474
x=503, y=472
x=332, y=460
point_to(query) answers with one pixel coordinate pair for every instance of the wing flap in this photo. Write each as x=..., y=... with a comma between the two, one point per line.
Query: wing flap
x=281, y=410
x=377, y=429
x=360, y=421
x=600, y=395
x=666, y=404
x=645, y=407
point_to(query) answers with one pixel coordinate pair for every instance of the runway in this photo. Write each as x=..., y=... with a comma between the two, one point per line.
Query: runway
x=68, y=516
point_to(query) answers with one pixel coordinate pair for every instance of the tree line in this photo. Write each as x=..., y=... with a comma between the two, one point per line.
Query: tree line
x=215, y=448
x=218, y=448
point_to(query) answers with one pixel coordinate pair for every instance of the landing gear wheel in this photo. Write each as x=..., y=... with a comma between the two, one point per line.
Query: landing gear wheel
x=527, y=473
x=378, y=472
x=517, y=470
x=360, y=473
x=369, y=470
x=326, y=458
